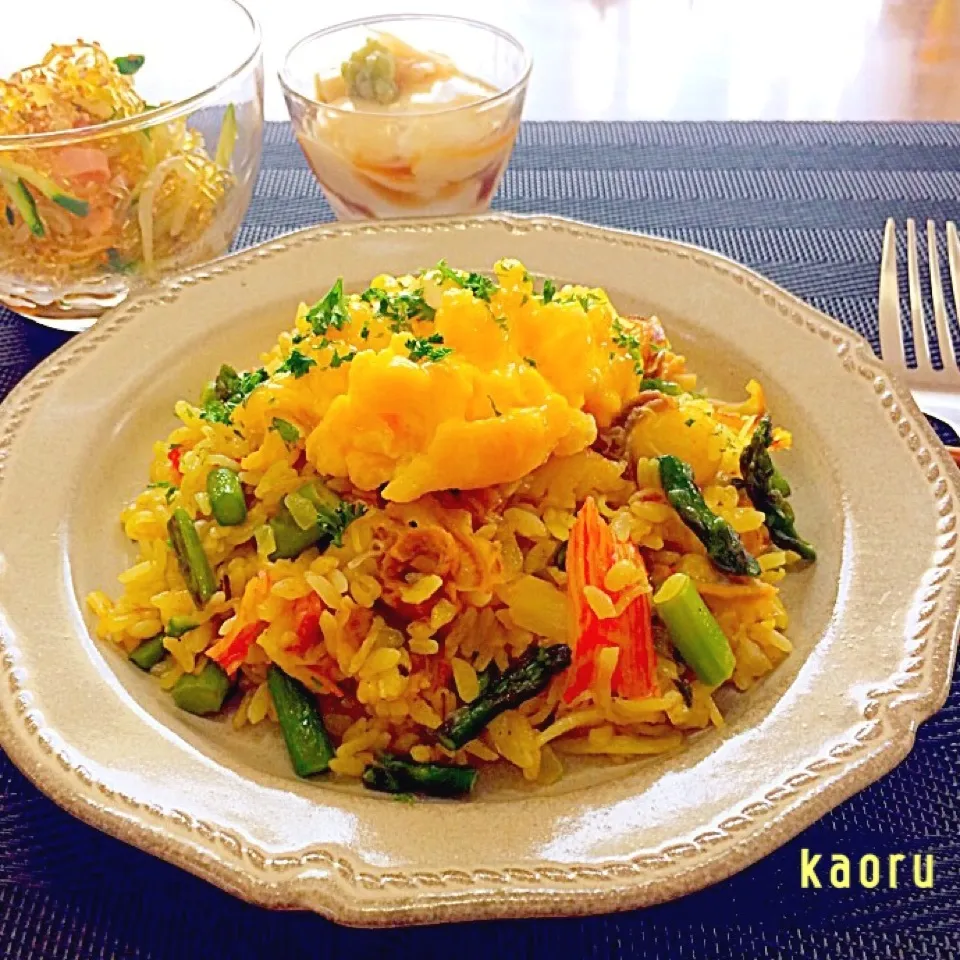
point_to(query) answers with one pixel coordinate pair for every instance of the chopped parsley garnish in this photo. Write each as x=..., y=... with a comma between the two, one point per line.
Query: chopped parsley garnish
x=428, y=348
x=479, y=285
x=364, y=331
x=329, y=312
x=587, y=300
x=298, y=338
x=130, y=64
x=9, y=213
x=529, y=361
x=399, y=308
x=688, y=423
x=549, y=290
x=668, y=387
x=288, y=432
x=230, y=389
x=339, y=359
x=335, y=520
x=297, y=363
x=630, y=344
x=501, y=322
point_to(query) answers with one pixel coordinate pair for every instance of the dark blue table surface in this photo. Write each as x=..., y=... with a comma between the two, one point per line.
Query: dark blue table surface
x=803, y=203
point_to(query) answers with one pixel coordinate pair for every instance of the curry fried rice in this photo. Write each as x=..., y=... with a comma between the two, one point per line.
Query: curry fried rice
x=452, y=521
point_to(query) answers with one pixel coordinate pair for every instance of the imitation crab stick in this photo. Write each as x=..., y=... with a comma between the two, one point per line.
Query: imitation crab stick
x=231, y=650
x=591, y=552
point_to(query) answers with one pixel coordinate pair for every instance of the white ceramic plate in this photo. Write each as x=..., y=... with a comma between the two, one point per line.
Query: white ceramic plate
x=874, y=621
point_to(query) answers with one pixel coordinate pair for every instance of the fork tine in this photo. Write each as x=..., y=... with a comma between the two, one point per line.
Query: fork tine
x=939, y=307
x=891, y=332
x=953, y=257
x=920, y=346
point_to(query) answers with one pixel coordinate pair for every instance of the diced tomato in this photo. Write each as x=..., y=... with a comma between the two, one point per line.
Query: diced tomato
x=230, y=651
x=306, y=622
x=591, y=552
x=173, y=455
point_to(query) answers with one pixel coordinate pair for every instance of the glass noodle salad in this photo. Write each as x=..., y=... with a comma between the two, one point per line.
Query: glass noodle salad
x=126, y=202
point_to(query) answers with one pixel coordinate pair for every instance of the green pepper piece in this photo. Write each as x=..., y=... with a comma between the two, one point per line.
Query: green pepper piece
x=194, y=565
x=226, y=497
x=301, y=724
x=149, y=653
x=204, y=692
x=392, y=774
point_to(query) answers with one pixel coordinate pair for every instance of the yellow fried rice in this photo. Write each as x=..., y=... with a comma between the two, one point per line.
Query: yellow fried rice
x=426, y=592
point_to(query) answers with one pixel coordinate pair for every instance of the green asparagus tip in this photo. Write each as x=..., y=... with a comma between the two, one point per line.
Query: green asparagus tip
x=723, y=543
x=513, y=687
x=400, y=775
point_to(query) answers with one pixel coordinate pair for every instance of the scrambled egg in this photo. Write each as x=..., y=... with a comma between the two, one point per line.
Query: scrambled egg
x=447, y=380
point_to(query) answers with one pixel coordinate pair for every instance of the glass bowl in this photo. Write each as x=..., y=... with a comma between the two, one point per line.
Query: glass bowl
x=432, y=158
x=101, y=208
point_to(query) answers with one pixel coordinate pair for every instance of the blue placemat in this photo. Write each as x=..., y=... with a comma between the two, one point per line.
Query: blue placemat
x=803, y=203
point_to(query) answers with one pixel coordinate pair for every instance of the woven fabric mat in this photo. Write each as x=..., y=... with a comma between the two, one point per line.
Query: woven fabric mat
x=804, y=204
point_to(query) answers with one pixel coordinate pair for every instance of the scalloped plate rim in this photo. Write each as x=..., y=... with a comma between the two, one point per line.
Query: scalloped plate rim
x=245, y=872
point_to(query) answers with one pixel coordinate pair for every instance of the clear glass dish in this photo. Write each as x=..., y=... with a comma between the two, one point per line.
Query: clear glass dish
x=93, y=212
x=426, y=158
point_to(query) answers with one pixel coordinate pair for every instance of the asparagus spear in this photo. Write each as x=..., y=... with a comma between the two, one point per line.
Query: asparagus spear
x=510, y=689
x=194, y=564
x=392, y=774
x=308, y=742
x=178, y=626
x=226, y=497
x=694, y=630
x=723, y=544
x=149, y=653
x=202, y=693
x=768, y=490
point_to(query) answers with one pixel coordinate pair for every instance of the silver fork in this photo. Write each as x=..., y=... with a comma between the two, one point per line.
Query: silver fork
x=937, y=392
